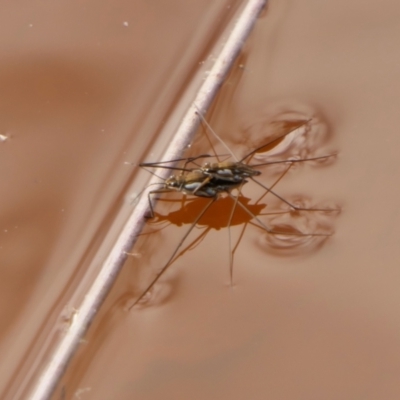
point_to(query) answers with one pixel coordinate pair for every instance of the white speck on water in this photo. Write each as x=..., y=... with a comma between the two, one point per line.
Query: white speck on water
x=3, y=138
x=81, y=391
x=125, y=23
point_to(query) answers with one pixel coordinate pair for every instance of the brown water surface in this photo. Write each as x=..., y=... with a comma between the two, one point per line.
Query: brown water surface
x=321, y=321
x=324, y=324
x=84, y=87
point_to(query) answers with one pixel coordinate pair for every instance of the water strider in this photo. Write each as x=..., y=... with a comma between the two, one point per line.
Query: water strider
x=213, y=180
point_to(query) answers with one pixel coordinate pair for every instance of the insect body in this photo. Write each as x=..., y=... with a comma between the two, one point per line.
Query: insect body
x=209, y=180
x=203, y=183
x=230, y=171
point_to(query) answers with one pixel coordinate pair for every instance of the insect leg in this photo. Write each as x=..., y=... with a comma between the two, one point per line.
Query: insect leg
x=293, y=161
x=215, y=134
x=161, y=164
x=168, y=263
x=192, y=244
x=263, y=226
x=276, y=139
x=232, y=252
x=269, y=190
x=151, y=193
x=206, y=180
x=236, y=199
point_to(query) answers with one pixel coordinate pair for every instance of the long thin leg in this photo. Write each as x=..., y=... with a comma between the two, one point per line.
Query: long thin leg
x=168, y=263
x=202, y=184
x=254, y=224
x=160, y=164
x=232, y=252
x=274, y=140
x=215, y=134
x=236, y=199
x=293, y=161
x=261, y=224
x=191, y=245
x=274, y=184
x=151, y=193
x=269, y=190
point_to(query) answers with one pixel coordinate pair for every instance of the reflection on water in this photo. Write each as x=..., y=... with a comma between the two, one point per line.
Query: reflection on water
x=294, y=232
x=318, y=223
x=309, y=132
